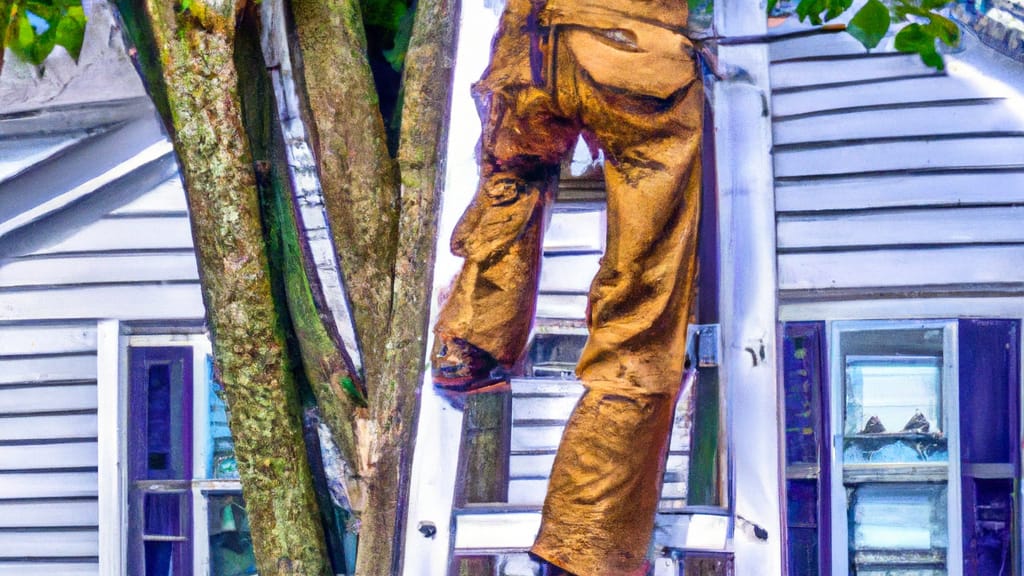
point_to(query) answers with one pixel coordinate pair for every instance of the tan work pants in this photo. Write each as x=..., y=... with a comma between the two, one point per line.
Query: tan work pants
x=604, y=487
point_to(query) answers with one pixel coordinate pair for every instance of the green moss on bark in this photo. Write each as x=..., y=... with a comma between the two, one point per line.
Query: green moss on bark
x=196, y=65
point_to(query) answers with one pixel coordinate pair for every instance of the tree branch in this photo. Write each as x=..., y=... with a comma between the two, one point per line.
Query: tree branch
x=195, y=62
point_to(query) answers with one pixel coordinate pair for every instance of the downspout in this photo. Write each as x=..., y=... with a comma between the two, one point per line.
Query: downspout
x=747, y=292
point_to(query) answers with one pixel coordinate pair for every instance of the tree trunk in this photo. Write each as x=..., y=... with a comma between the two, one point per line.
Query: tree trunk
x=393, y=401
x=199, y=89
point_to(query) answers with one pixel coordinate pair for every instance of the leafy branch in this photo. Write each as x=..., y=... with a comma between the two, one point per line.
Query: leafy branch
x=33, y=27
x=925, y=25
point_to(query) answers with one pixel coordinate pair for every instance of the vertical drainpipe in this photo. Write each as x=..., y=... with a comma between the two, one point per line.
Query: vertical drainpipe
x=747, y=293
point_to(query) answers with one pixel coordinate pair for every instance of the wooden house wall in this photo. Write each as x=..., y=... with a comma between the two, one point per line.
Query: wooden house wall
x=108, y=238
x=893, y=180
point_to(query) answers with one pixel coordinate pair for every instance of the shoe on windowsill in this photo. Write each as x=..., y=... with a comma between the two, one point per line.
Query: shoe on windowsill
x=458, y=366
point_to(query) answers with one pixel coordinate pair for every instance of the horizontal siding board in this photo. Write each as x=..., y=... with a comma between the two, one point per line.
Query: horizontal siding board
x=74, y=513
x=48, y=457
x=47, y=399
x=168, y=196
x=48, y=427
x=914, y=121
x=901, y=267
x=76, y=166
x=816, y=72
x=125, y=233
x=575, y=230
x=896, y=227
x=123, y=302
x=914, y=154
x=47, y=339
x=562, y=306
x=49, y=568
x=535, y=437
x=1001, y=187
x=47, y=369
x=543, y=408
x=531, y=492
x=48, y=485
x=77, y=270
x=929, y=89
x=814, y=45
x=568, y=273
x=48, y=545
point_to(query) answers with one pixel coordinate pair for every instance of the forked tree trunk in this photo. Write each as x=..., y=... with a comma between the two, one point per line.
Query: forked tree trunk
x=383, y=215
x=196, y=82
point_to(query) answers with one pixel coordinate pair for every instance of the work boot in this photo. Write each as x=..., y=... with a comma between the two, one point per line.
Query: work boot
x=458, y=366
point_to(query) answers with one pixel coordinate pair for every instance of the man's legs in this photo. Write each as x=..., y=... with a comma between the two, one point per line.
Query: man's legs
x=604, y=488
x=493, y=300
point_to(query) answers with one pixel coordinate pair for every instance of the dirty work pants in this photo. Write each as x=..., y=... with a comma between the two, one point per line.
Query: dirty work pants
x=604, y=487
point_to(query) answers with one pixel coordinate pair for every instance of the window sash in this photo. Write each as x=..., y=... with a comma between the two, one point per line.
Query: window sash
x=840, y=553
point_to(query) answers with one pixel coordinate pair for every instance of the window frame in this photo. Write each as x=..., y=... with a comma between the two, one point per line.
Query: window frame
x=836, y=382
x=201, y=486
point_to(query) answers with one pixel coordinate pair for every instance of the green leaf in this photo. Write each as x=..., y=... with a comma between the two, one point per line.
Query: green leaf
x=70, y=31
x=870, y=24
x=396, y=55
x=771, y=5
x=916, y=39
x=813, y=10
x=944, y=29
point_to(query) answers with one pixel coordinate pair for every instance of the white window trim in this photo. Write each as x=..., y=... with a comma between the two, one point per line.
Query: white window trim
x=951, y=402
x=112, y=390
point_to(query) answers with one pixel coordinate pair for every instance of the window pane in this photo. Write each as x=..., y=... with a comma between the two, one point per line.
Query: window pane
x=898, y=527
x=164, y=513
x=230, y=540
x=222, y=462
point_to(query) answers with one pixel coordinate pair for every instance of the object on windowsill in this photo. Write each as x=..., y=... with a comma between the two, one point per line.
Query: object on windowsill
x=917, y=423
x=873, y=426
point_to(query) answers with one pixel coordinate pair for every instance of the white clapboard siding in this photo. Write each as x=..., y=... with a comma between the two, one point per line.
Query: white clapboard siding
x=18, y=155
x=896, y=91
x=49, y=456
x=47, y=339
x=126, y=233
x=901, y=190
x=816, y=45
x=70, y=544
x=168, y=197
x=99, y=269
x=569, y=273
x=860, y=156
x=166, y=302
x=47, y=427
x=42, y=369
x=26, y=485
x=49, y=568
x=49, y=514
x=893, y=180
x=576, y=229
x=788, y=75
x=969, y=116
x=906, y=267
x=900, y=227
x=54, y=398
x=540, y=410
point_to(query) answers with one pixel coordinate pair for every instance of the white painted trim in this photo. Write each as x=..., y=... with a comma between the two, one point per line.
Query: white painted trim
x=905, y=309
x=111, y=474
x=954, y=498
x=151, y=153
x=747, y=290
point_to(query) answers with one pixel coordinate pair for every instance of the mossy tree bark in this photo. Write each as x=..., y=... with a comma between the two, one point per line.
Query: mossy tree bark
x=199, y=89
x=383, y=215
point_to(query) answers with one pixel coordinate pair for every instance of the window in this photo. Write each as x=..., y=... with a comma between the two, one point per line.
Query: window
x=185, y=507
x=901, y=453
